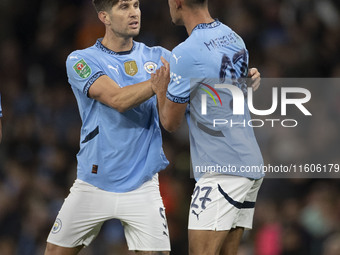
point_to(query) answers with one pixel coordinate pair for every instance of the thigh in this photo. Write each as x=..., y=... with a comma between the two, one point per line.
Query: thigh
x=232, y=242
x=143, y=216
x=246, y=215
x=206, y=242
x=52, y=249
x=81, y=216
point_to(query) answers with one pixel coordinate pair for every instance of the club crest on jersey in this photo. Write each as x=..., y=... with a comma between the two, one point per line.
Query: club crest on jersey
x=131, y=67
x=56, y=226
x=82, y=69
x=150, y=67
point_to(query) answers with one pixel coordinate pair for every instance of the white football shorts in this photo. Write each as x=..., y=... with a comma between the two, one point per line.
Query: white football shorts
x=87, y=207
x=222, y=202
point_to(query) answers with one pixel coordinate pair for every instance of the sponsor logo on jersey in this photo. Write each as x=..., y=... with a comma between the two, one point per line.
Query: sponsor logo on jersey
x=131, y=67
x=56, y=226
x=114, y=68
x=150, y=67
x=82, y=69
x=176, y=58
x=197, y=214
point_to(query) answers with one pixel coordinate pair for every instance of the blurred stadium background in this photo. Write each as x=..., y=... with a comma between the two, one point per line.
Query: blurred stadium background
x=285, y=38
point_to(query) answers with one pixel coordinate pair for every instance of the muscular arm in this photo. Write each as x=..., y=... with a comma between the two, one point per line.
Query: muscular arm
x=170, y=113
x=174, y=113
x=106, y=91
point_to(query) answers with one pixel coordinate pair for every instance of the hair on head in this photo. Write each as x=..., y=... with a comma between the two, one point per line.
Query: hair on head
x=104, y=5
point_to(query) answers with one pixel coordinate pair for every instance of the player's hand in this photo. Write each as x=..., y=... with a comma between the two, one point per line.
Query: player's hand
x=255, y=78
x=161, y=78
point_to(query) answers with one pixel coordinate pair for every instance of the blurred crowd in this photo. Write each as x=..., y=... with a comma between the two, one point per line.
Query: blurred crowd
x=285, y=38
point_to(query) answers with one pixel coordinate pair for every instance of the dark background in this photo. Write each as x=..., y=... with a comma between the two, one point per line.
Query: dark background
x=285, y=38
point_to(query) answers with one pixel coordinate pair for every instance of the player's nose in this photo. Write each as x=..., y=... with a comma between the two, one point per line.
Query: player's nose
x=134, y=12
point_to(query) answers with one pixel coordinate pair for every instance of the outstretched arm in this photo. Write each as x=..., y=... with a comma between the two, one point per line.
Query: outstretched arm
x=106, y=91
x=89, y=77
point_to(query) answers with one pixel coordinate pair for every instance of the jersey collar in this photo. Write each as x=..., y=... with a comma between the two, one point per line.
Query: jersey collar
x=100, y=46
x=213, y=24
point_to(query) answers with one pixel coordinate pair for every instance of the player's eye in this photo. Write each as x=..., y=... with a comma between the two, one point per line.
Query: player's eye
x=124, y=6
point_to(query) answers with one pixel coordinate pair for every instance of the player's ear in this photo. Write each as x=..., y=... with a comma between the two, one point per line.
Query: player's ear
x=179, y=3
x=104, y=17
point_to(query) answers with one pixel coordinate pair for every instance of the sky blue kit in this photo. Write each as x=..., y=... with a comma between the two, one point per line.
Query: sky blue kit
x=214, y=54
x=118, y=151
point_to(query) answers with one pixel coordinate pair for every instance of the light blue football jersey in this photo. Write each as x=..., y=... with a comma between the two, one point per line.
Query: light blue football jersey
x=118, y=151
x=214, y=54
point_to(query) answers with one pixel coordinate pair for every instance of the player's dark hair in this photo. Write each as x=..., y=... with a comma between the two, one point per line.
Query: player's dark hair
x=104, y=5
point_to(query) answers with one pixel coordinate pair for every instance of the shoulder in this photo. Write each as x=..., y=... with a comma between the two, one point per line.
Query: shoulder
x=182, y=55
x=142, y=46
x=232, y=35
x=80, y=54
x=154, y=51
x=85, y=55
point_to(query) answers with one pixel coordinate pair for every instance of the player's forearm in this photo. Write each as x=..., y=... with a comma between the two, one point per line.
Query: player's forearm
x=170, y=113
x=161, y=97
x=131, y=96
x=160, y=88
x=106, y=91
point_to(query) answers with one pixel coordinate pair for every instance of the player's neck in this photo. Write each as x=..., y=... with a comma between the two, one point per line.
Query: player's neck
x=117, y=44
x=194, y=17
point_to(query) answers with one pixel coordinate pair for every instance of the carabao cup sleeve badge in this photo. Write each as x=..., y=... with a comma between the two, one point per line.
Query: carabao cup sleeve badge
x=82, y=69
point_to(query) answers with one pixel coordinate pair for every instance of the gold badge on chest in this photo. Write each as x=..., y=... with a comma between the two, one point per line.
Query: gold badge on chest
x=131, y=67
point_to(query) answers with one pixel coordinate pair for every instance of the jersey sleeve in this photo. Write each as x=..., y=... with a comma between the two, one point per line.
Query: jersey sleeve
x=180, y=74
x=82, y=71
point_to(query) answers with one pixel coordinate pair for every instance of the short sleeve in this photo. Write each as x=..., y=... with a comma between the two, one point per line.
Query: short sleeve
x=82, y=71
x=179, y=86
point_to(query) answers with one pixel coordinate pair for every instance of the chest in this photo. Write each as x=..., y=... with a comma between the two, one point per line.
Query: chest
x=127, y=70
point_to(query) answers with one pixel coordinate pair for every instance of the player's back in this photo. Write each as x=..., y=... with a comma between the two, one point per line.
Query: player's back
x=217, y=51
x=214, y=54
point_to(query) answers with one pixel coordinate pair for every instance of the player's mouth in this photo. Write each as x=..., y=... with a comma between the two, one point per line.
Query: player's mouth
x=134, y=24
